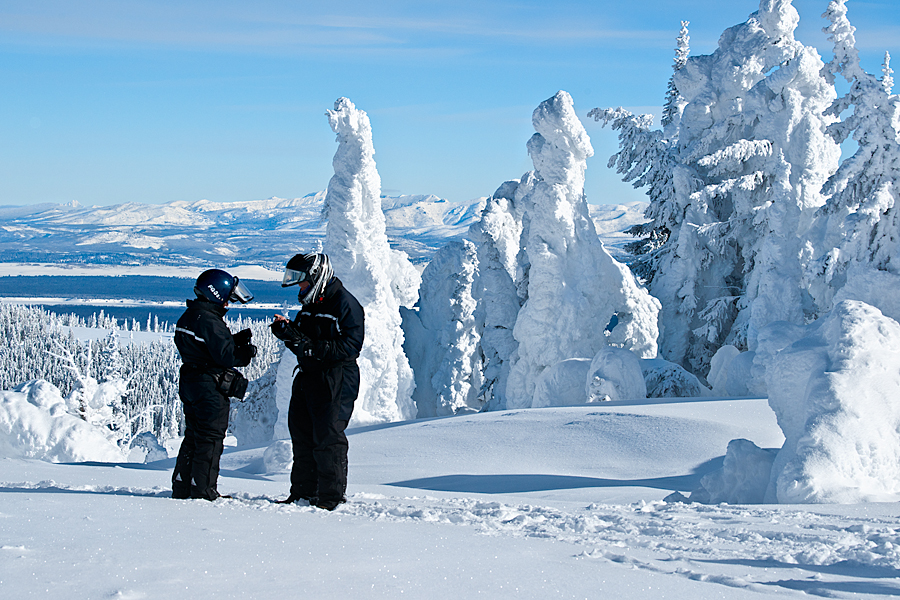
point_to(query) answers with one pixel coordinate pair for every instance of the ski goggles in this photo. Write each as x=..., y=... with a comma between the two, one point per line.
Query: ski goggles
x=292, y=277
x=240, y=293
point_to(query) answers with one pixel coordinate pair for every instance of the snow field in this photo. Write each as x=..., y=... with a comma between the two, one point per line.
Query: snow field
x=476, y=511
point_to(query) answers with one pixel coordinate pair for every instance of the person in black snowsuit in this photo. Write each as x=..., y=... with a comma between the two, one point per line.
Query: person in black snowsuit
x=207, y=379
x=327, y=336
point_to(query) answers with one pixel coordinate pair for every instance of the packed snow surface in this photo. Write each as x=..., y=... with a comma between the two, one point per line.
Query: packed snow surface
x=540, y=503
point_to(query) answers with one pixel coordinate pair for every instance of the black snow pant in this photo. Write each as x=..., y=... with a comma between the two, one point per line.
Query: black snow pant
x=206, y=421
x=321, y=406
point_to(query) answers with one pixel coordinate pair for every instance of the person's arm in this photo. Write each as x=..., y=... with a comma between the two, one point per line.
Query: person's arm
x=218, y=341
x=351, y=332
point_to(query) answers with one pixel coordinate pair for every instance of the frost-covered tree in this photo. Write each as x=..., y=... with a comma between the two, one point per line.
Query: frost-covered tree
x=122, y=386
x=675, y=102
x=442, y=340
x=573, y=287
x=496, y=237
x=382, y=279
x=857, y=236
x=252, y=420
x=736, y=186
x=99, y=403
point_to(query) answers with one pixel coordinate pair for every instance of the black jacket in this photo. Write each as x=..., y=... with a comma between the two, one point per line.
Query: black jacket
x=204, y=340
x=336, y=327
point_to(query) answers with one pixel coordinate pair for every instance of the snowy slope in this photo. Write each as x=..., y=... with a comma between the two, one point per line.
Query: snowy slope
x=545, y=503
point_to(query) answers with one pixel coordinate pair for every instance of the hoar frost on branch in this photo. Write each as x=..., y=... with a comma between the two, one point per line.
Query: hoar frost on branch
x=382, y=279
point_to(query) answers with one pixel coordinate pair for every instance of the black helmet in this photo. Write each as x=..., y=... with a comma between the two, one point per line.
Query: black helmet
x=314, y=268
x=219, y=287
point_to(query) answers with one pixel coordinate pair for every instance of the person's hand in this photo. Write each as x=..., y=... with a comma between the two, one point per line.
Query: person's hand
x=244, y=354
x=243, y=337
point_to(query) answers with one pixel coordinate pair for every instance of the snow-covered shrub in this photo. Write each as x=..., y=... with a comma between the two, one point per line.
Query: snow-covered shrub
x=615, y=374
x=35, y=423
x=834, y=393
x=665, y=379
x=253, y=419
x=278, y=457
x=718, y=369
x=739, y=379
x=382, y=279
x=562, y=384
x=743, y=478
x=146, y=448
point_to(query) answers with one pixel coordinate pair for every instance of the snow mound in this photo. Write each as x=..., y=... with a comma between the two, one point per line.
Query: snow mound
x=562, y=384
x=615, y=374
x=665, y=379
x=743, y=478
x=34, y=424
x=834, y=393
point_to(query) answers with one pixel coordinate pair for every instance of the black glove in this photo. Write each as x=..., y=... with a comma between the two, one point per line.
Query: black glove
x=294, y=339
x=242, y=337
x=244, y=354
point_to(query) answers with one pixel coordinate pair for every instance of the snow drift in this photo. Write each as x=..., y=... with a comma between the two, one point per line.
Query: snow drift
x=35, y=423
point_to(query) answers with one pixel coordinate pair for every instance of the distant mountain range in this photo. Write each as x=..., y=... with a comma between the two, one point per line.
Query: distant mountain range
x=259, y=232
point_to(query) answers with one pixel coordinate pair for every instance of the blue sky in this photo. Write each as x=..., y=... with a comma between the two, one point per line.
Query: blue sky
x=110, y=101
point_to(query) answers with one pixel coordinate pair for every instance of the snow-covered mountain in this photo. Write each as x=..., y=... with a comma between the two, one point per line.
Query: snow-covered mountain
x=261, y=232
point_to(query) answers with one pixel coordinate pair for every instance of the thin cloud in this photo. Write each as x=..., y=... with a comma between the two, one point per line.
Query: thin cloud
x=188, y=27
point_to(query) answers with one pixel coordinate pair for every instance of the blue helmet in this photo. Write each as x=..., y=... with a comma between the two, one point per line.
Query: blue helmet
x=219, y=287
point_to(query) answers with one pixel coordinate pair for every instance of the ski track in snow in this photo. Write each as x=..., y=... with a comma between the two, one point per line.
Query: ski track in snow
x=687, y=540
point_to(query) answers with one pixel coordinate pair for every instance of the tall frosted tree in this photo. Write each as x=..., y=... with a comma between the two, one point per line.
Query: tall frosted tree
x=856, y=237
x=443, y=342
x=736, y=186
x=381, y=278
x=573, y=287
x=496, y=237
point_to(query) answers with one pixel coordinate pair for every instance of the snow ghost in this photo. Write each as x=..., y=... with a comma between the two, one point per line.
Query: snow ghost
x=442, y=340
x=380, y=278
x=573, y=287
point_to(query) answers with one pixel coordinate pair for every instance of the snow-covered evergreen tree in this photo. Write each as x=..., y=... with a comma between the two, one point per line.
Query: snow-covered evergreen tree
x=443, y=342
x=573, y=286
x=675, y=102
x=99, y=403
x=496, y=237
x=382, y=279
x=856, y=237
x=736, y=186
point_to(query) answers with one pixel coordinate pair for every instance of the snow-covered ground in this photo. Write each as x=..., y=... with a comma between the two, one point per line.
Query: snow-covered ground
x=541, y=503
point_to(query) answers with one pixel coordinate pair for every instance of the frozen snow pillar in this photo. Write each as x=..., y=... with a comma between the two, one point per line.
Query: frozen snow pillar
x=574, y=287
x=381, y=279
